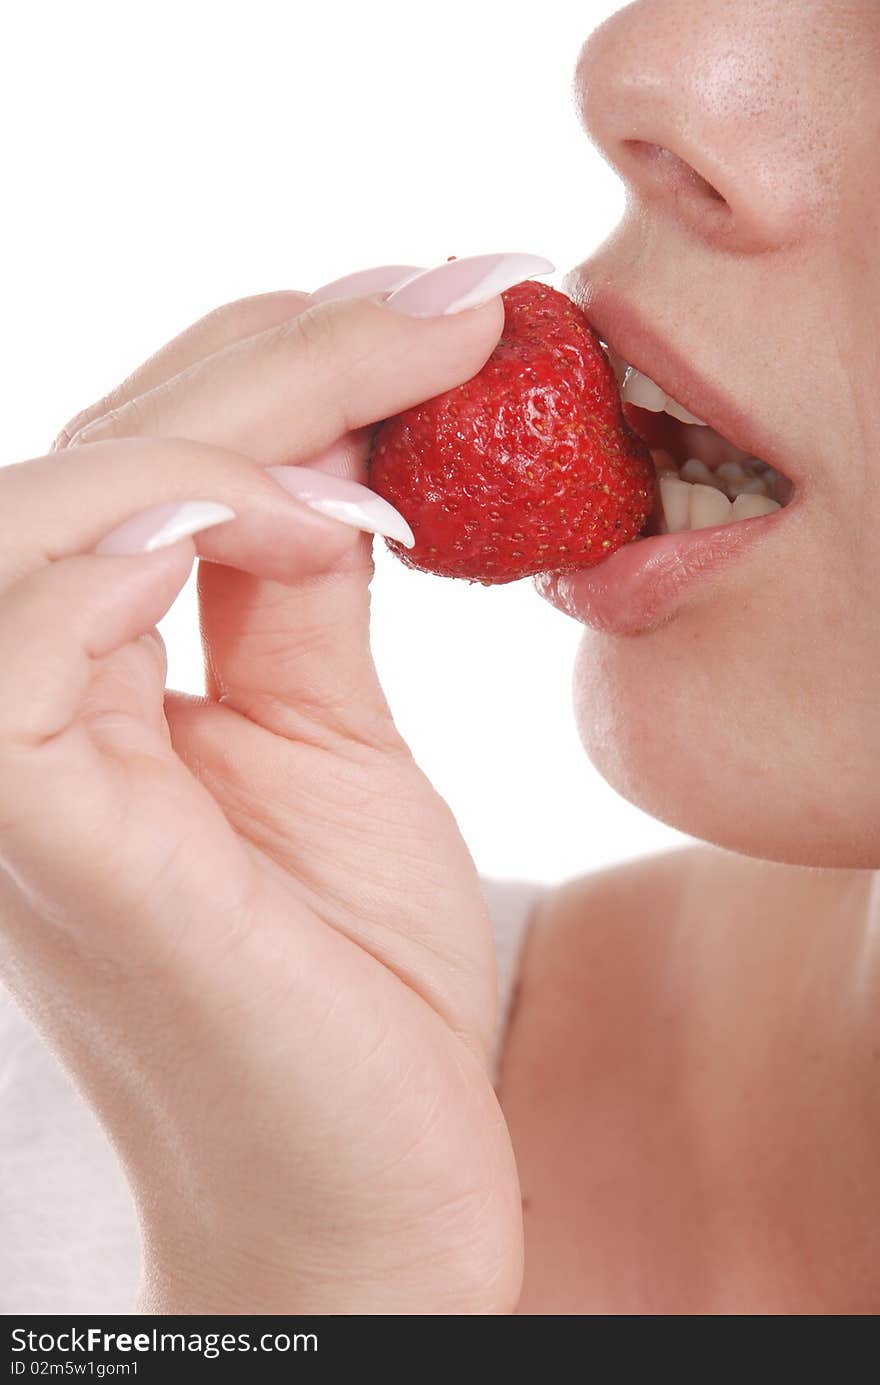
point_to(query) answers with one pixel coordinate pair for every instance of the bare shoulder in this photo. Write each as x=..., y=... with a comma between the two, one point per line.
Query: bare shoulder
x=638, y=891
x=618, y=920
x=645, y=892
x=689, y=1080
x=603, y=923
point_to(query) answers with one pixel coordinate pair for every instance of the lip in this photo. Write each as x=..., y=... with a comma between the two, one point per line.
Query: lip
x=641, y=586
x=642, y=345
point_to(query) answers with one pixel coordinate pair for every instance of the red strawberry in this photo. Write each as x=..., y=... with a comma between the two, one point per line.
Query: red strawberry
x=527, y=467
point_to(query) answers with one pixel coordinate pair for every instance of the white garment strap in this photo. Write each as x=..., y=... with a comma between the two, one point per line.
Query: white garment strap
x=512, y=905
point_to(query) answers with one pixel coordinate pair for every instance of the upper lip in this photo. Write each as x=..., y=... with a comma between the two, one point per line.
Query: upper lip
x=620, y=324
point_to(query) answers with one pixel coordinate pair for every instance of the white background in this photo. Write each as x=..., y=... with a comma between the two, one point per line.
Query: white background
x=162, y=158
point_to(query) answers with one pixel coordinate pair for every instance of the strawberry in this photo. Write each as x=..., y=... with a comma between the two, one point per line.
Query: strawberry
x=527, y=467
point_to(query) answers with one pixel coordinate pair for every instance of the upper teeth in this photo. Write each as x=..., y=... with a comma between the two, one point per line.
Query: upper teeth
x=642, y=391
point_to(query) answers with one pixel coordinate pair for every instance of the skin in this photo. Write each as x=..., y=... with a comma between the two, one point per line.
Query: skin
x=248, y=924
x=773, y=297
x=690, y=1078
x=255, y=904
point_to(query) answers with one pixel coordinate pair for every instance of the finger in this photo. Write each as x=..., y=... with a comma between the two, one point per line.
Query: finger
x=295, y=654
x=287, y=394
x=296, y=657
x=232, y=322
x=365, y=282
x=82, y=781
x=57, y=506
x=60, y=505
x=62, y=620
x=229, y=323
x=281, y=654
x=346, y=457
x=130, y=683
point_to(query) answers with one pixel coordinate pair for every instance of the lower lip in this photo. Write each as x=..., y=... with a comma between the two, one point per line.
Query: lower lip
x=642, y=585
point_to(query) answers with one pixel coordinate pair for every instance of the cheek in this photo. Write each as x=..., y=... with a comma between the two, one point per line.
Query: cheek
x=736, y=729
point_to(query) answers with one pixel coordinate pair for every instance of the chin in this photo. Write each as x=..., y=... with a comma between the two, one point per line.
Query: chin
x=687, y=725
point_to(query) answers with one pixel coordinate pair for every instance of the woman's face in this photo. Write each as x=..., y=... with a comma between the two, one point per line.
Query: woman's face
x=732, y=685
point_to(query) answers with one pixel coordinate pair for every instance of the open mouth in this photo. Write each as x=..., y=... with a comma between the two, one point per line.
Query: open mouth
x=704, y=480
x=720, y=491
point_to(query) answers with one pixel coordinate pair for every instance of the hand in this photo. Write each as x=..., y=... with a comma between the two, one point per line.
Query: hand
x=247, y=922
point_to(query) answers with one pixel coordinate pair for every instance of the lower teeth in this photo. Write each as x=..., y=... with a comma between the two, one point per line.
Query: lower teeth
x=693, y=497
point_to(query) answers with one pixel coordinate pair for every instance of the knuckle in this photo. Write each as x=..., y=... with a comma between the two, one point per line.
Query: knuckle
x=317, y=343
x=314, y=332
x=330, y=347
x=245, y=316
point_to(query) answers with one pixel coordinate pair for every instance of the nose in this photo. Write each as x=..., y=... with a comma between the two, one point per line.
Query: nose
x=703, y=109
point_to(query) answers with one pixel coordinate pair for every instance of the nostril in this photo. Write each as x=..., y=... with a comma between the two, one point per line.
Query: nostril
x=673, y=174
x=709, y=119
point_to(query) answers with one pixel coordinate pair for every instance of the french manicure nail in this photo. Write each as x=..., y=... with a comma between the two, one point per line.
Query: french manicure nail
x=365, y=282
x=459, y=284
x=163, y=525
x=348, y=501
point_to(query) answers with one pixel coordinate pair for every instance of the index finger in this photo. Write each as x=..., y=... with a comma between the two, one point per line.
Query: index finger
x=231, y=322
x=288, y=393
x=245, y=317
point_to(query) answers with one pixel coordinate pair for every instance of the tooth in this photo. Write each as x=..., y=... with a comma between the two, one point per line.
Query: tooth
x=674, y=497
x=731, y=471
x=639, y=389
x=618, y=365
x=751, y=485
x=696, y=471
x=681, y=413
x=751, y=506
x=663, y=461
x=708, y=507
x=770, y=479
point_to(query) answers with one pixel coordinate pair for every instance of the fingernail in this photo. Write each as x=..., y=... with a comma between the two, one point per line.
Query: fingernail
x=365, y=282
x=460, y=284
x=163, y=525
x=348, y=501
